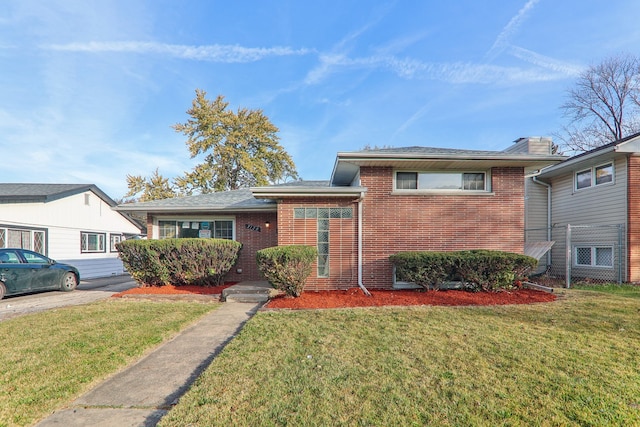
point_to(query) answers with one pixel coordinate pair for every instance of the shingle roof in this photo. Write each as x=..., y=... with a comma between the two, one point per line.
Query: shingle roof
x=25, y=193
x=228, y=200
x=417, y=150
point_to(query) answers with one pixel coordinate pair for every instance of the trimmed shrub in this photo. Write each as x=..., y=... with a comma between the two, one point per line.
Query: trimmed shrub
x=287, y=267
x=179, y=261
x=486, y=270
x=427, y=269
x=478, y=270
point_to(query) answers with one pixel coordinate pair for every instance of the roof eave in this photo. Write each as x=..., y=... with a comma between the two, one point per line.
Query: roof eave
x=183, y=209
x=268, y=193
x=571, y=162
x=346, y=167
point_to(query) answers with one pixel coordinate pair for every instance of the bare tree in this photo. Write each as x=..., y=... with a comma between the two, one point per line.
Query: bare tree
x=604, y=105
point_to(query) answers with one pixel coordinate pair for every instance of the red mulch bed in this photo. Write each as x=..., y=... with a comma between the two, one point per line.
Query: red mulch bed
x=175, y=290
x=356, y=298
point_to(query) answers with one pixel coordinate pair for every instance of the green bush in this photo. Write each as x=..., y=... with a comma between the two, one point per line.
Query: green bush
x=485, y=270
x=427, y=269
x=287, y=267
x=179, y=261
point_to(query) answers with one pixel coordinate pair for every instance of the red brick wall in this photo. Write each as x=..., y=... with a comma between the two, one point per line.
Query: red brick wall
x=393, y=223
x=149, y=226
x=633, y=220
x=252, y=241
x=343, y=266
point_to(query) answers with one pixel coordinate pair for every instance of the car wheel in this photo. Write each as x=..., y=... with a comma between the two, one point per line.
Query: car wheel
x=69, y=282
x=3, y=290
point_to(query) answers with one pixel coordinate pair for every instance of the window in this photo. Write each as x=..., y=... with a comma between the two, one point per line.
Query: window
x=441, y=181
x=38, y=242
x=604, y=174
x=323, y=216
x=92, y=242
x=313, y=213
x=23, y=238
x=113, y=240
x=594, y=256
x=219, y=229
x=594, y=176
x=223, y=230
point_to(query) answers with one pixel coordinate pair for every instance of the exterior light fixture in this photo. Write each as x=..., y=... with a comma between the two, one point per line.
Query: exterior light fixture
x=267, y=224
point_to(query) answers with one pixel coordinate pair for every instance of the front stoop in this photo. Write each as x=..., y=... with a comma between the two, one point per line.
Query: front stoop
x=248, y=292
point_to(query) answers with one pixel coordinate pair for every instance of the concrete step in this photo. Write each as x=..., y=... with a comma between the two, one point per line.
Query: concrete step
x=250, y=291
x=241, y=289
x=253, y=297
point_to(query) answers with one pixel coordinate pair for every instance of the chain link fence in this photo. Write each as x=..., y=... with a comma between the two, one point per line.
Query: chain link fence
x=581, y=253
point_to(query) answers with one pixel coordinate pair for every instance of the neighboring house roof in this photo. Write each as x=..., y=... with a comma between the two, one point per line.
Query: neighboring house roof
x=236, y=200
x=43, y=193
x=630, y=144
x=348, y=164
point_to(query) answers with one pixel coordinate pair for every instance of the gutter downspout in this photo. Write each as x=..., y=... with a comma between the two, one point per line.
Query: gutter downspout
x=360, y=284
x=544, y=184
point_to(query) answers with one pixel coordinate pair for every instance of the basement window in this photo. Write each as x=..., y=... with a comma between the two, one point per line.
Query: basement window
x=593, y=256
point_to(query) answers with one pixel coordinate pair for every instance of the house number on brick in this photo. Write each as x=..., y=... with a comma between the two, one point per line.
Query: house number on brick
x=252, y=227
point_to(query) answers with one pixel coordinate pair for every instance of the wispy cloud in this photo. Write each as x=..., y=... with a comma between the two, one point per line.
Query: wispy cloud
x=212, y=53
x=454, y=72
x=545, y=61
x=503, y=39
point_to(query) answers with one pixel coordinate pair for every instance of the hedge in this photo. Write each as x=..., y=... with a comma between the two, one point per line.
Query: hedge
x=486, y=270
x=287, y=267
x=192, y=261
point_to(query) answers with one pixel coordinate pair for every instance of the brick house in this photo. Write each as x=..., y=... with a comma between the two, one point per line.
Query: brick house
x=377, y=202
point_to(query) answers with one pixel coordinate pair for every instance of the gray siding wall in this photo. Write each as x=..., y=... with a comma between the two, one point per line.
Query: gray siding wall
x=602, y=205
x=535, y=205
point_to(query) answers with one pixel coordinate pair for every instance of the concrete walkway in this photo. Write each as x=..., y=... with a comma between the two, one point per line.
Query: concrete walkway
x=142, y=393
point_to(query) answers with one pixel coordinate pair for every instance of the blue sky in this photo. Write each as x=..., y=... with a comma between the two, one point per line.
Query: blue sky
x=89, y=89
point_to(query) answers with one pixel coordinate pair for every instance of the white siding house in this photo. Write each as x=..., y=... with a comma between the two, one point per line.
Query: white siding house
x=71, y=223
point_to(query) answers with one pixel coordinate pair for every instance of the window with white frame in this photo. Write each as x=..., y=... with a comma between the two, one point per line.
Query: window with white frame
x=593, y=256
x=24, y=238
x=217, y=228
x=92, y=242
x=594, y=176
x=442, y=181
x=114, y=239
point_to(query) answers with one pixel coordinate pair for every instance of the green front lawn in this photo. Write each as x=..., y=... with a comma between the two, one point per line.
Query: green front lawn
x=48, y=359
x=626, y=290
x=572, y=362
